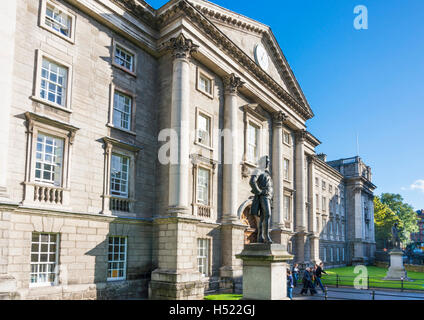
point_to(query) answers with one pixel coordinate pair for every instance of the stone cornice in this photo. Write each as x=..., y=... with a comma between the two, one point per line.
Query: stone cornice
x=139, y=11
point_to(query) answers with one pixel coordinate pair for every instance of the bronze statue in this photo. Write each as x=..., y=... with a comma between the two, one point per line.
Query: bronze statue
x=261, y=184
x=395, y=236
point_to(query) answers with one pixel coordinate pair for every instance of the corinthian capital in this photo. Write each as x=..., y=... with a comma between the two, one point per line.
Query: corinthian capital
x=232, y=83
x=181, y=47
x=301, y=135
x=279, y=118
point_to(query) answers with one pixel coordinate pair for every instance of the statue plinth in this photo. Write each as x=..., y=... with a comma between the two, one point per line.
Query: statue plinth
x=264, y=271
x=396, y=270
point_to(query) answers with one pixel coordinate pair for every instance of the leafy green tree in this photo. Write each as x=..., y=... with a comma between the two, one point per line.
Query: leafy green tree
x=405, y=213
x=384, y=219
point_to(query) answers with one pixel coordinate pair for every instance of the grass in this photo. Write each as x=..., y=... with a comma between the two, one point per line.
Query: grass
x=224, y=297
x=346, y=277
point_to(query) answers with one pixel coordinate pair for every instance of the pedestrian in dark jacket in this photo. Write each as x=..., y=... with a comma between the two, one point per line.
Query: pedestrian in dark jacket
x=307, y=282
x=318, y=272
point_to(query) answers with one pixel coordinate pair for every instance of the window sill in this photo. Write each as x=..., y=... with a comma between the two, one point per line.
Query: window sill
x=132, y=73
x=251, y=164
x=50, y=104
x=288, y=181
x=209, y=95
x=71, y=40
x=287, y=145
x=204, y=146
x=110, y=125
x=116, y=279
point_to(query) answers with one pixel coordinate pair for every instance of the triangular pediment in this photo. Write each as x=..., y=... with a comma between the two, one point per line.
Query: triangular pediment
x=248, y=35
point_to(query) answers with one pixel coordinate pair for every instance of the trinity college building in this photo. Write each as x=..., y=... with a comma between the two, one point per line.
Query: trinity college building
x=128, y=138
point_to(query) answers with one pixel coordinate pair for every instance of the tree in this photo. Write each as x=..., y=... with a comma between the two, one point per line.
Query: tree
x=405, y=213
x=384, y=219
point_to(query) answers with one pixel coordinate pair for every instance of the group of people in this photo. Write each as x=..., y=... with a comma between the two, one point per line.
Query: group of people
x=311, y=278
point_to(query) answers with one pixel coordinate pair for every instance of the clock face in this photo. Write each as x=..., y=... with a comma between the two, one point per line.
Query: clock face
x=261, y=57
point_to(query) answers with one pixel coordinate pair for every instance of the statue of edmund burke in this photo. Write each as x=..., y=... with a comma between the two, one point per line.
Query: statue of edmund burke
x=261, y=184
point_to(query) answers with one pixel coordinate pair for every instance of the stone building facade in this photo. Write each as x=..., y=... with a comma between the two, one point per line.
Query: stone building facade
x=128, y=135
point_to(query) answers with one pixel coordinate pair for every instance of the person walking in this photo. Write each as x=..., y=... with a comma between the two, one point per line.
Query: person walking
x=318, y=274
x=289, y=285
x=307, y=282
x=295, y=273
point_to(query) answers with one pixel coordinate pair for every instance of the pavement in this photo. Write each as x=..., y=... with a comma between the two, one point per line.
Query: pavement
x=355, y=294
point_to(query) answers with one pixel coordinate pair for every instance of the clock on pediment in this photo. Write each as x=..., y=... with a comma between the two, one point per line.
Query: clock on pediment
x=261, y=57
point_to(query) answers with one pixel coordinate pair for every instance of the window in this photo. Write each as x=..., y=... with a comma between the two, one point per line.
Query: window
x=203, y=129
x=343, y=254
x=252, y=143
x=323, y=185
x=317, y=227
x=122, y=108
x=123, y=58
x=330, y=187
x=316, y=182
x=286, y=169
x=324, y=204
x=53, y=82
x=203, y=176
x=286, y=138
x=205, y=83
x=324, y=226
x=57, y=20
x=49, y=158
x=117, y=258
x=331, y=254
x=44, y=257
x=287, y=208
x=119, y=175
x=324, y=254
x=317, y=201
x=338, y=254
x=203, y=256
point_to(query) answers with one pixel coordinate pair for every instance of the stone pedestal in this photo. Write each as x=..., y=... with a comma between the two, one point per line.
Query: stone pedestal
x=264, y=271
x=396, y=270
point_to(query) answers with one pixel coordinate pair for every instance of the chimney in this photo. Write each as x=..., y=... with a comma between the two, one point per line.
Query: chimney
x=322, y=156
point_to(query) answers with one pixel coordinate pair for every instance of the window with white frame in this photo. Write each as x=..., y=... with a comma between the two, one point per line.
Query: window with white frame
x=54, y=80
x=317, y=201
x=287, y=207
x=252, y=143
x=323, y=185
x=122, y=108
x=119, y=175
x=330, y=188
x=44, y=259
x=203, y=129
x=58, y=20
x=286, y=169
x=205, y=84
x=286, y=138
x=316, y=182
x=324, y=204
x=49, y=160
x=117, y=258
x=203, y=256
x=124, y=58
x=203, y=183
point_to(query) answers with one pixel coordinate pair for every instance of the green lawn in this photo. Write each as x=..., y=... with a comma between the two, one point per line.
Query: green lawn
x=346, y=277
x=224, y=297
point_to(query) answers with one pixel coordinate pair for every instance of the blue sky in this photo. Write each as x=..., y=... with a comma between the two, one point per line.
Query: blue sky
x=365, y=82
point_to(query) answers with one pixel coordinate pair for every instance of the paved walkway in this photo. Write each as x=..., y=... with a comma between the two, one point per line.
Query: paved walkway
x=353, y=294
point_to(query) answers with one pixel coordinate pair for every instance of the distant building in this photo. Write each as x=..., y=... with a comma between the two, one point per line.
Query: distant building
x=419, y=236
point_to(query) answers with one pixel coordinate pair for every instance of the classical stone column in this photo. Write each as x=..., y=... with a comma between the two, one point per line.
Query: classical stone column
x=277, y=170
x=232, y=232
x=313, y=228
x=300, y=227
x=7, y=34
x=177, y=276
x=231, y=169
x=182, y=49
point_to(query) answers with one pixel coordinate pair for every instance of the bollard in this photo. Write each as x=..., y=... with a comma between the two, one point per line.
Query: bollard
x=401, y=284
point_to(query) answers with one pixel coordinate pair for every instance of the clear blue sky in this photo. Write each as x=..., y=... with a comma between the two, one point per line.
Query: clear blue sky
x=368, y=82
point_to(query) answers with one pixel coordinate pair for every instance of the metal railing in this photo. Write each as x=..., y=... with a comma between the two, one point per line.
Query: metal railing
x=369, y=295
